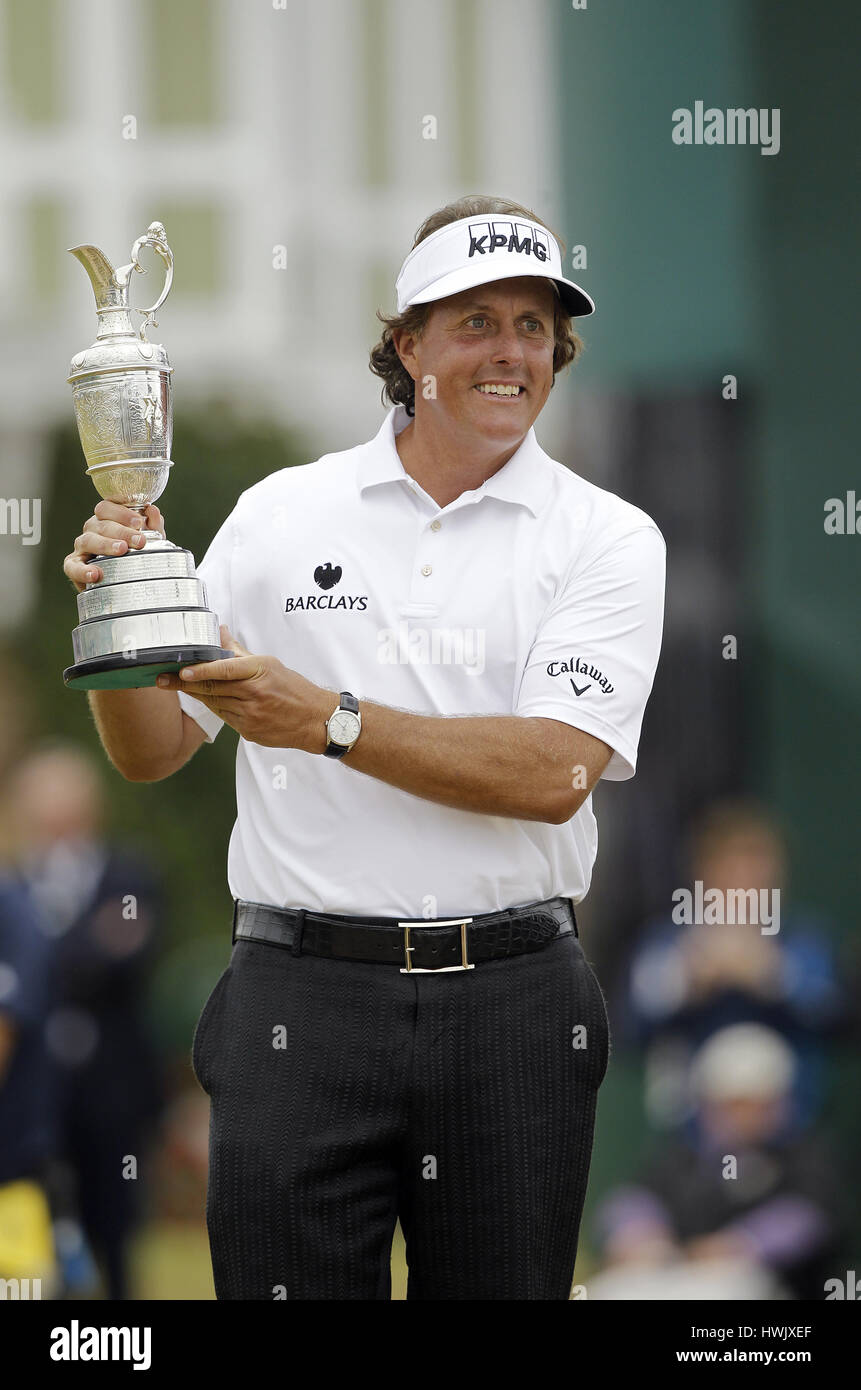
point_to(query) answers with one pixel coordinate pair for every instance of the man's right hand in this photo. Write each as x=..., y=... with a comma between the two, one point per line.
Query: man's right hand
x=112, y=530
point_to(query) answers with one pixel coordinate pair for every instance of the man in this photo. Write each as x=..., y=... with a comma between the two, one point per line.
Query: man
x=443, y=640
x=99, y=904
x=27, y=1120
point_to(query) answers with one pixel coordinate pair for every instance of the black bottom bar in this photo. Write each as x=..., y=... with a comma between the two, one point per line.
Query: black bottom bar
x=124, y=673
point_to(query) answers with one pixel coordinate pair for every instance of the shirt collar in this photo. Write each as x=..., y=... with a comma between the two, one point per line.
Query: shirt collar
x=523, y=480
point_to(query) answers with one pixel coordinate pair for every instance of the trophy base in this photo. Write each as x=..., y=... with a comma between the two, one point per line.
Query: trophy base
x=118, y=673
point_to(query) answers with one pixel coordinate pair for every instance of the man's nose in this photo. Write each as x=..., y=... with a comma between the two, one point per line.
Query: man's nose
x=506, y=346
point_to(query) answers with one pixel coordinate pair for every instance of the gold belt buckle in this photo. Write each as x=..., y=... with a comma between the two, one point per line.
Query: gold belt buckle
x=410, y=969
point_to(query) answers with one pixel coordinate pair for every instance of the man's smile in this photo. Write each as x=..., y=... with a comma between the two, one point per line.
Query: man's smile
x=500, y=390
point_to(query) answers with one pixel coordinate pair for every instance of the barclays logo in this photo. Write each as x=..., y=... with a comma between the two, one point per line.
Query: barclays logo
x=326, y=576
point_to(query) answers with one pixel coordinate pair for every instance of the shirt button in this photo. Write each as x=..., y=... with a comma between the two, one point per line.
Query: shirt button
x=426, y=570
x=435, y=525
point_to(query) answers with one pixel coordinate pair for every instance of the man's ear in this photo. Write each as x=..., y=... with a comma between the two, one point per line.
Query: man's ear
x=405, y=348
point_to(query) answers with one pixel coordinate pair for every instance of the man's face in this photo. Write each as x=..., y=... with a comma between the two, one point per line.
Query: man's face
x=500, y=334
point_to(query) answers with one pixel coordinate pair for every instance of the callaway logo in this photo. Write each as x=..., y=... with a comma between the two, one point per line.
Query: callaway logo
x=515, y=236
x=581, y=668
x=327, y=576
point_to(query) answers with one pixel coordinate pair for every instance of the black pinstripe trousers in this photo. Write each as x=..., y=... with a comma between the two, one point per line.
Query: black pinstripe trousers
x=345, y=1095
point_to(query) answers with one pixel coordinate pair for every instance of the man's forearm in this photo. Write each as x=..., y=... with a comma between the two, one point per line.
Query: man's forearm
x=497, y=765
x=141, y=730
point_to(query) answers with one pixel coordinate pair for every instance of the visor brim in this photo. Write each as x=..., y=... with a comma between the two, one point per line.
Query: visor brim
x=575, y=300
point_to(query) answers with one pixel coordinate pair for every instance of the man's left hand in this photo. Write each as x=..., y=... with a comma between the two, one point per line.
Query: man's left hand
x=259, y=697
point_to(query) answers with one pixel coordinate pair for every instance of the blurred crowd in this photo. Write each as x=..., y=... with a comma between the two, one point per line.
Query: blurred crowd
x=743, y=1193
x=81, y=1091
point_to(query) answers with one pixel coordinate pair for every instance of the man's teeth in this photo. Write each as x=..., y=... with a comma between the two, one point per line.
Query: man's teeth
x=493, y=390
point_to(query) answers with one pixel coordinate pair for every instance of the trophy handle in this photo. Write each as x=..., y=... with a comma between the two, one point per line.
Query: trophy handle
x=156, y=237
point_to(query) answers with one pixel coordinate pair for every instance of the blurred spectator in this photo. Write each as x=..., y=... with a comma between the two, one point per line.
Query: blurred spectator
x=26, y=1109
x=99, y=904
x=745, y=1192
x=688, y=980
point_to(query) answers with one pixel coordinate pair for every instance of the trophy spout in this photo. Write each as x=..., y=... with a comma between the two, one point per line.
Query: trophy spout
x=111, y=288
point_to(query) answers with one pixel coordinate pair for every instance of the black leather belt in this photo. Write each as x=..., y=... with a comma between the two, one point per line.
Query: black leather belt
x=421, y=945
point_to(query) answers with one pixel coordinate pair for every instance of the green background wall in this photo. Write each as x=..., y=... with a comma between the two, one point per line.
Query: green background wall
x=712, y=259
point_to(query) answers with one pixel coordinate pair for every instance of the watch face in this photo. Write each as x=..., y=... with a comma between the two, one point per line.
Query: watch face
x=344, y=727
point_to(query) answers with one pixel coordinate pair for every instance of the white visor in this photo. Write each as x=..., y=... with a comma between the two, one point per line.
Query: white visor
x=476, y=250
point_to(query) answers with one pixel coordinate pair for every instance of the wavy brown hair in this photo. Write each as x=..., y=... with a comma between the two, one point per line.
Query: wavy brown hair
x=398, y=386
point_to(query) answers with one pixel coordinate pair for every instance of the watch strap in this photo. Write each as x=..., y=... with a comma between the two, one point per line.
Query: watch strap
x=351, y=704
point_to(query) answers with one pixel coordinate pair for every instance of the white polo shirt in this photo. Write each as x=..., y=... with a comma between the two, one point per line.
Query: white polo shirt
x=534, y=594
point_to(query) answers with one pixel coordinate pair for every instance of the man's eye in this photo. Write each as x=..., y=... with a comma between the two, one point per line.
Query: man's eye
x=533, y=324
x=477, y=319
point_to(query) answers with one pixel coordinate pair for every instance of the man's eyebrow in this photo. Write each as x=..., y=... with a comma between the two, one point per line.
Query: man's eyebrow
x=475, y=304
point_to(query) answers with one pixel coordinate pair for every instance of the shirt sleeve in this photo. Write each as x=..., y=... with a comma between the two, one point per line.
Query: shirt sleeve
x=593, y=660
x=215, y=569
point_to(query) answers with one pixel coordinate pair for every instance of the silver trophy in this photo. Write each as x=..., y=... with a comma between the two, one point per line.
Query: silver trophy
x=148, y=613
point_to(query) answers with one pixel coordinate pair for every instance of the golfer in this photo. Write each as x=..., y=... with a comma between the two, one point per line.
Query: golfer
x=443, y=638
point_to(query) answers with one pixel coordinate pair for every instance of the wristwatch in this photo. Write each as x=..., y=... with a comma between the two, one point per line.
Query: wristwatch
x=343, y=726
